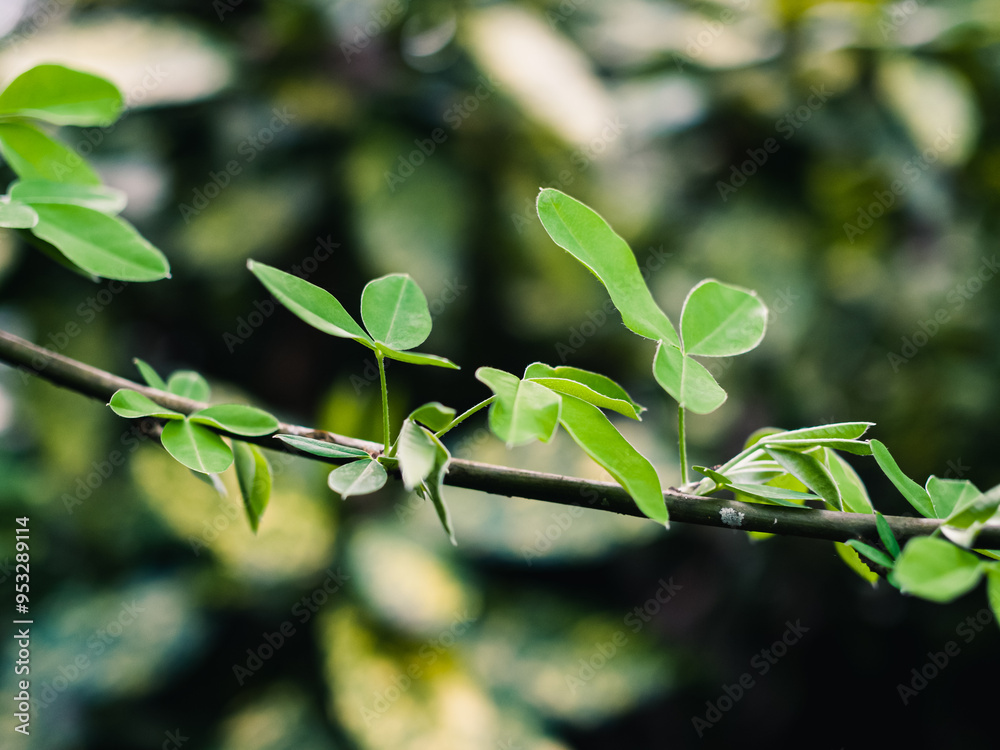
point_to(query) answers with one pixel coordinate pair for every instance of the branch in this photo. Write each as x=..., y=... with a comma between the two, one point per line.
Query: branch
x=501, y=480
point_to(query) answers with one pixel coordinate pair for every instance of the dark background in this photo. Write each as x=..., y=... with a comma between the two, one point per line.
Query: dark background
x=148, y=590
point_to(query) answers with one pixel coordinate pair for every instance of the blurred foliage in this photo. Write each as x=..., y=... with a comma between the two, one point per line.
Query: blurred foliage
x=841, y=158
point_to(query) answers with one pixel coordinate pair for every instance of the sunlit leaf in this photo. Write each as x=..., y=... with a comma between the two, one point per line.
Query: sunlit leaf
x=189, y=384
x=971, y=510
x=133, y=405
x=322, y=447
x=103, y=245
x=810, y=471
x=97, y=197
x=416, y=450
x=912, y=491
x=417, y=358
x=34, y=156
x=937, y=570
x=62, y=96
x=993, y=590
x=602, y=442
x=253, y=473
x=596, y=389
x=948, y=495
x=152, y=378
x=854, y=562
x=357, y=478
x=523, y=411
x=579, y=230
x=778, y=495
x=394, y=310
x=852, y=489
x=875, y=555
x=310, y=303
x=719, y=320
x=434, y=415
x=857, y=447
x=15, y=215
x=196, y=447
x=237, y=419
x=686, y=380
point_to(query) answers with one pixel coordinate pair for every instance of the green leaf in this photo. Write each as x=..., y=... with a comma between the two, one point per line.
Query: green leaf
x=579, y=230
x=237, y=419
x=523, y=411
x=431, y=487
x=719, y=320
x=253, y=473
x=778, y=495
x=97, y=197
x=357, y=478
x=877, y=556
x=835, y=430
x=15, y=215
x=912, y=491
x=937, y=570
x=417, y=358
x=993, y=591
x=133, y=405
x=434, y=415
x=886, y=535
x=196, y=447
x=971, y=511
x=34, y=156
x=394, y=310
x=593, y=432
x=949, y=494
x=811, y=472
x=189, y=384
x=855, y=563
x=99, y=244
x=62, y=96
x=596, y=389
x=857, y=447
x=310, y=303
x=686, y=380
x=322, y=447
x=852, y=489
x=152, y=378
x=416, y=452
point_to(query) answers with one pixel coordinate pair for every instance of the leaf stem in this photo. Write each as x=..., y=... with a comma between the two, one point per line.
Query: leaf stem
x=464, y=415
x=682, y=445
x=379, y=358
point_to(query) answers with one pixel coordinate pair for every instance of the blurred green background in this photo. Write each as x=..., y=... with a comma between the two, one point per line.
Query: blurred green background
x=841, y=158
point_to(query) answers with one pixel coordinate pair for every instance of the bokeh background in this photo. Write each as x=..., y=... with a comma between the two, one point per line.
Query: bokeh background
x=841, y=158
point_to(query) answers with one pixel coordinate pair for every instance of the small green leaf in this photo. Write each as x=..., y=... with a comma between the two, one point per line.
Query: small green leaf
x=993, y=590
x=852, y=489
x=912, y=491
x=523, y=411
x=778, y=495
x=971, y=512
x=97, y=197
x=34, y=156
x=719, y=320
x=14, y=215
x=593, y=432
x=836, y=430
x=133, y=405
x=253, y=473
x=416, y=358
x=62, y=96
x=99, y=244
x=434, y=415
x=857, y=447
x=322, y=447
x=886, y=535
x=310, y=303
x=810, y=471
x=579, y=230
x=152, y=378
x=357, y=478
x=394, y=310
x=431, y=487
x=686, y=380
x=937, y=570
x=196, y=447
x=877, y=556
x=855, y=563
x=189, y=384
x=720, y=479
x=596, y=389
x=237, y=419
x=416, y=452
x=949, y=494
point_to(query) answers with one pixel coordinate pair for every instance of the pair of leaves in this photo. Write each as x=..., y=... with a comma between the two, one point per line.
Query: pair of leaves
x=718, y=320
x=361, y=476
x=193, y=439
x=59, y=198
x=530, y=408
x=393, y=309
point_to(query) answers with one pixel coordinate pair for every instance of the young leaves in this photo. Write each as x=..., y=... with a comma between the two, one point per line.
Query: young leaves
x=395, y=312
x=523, y=411
x=937, y=570
x=596, y=389
x=196, y=447
x=253, y=473
x=322, y=448
x=912, y=491
x=133, y=405
x=686, y=380
x=62, y=96
x=357, y=478
x=423, y=462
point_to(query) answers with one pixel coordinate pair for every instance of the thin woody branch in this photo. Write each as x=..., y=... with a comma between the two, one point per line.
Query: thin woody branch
x=501, y=480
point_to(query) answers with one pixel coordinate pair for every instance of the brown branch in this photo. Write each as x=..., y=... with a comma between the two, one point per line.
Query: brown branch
x=502, y=480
